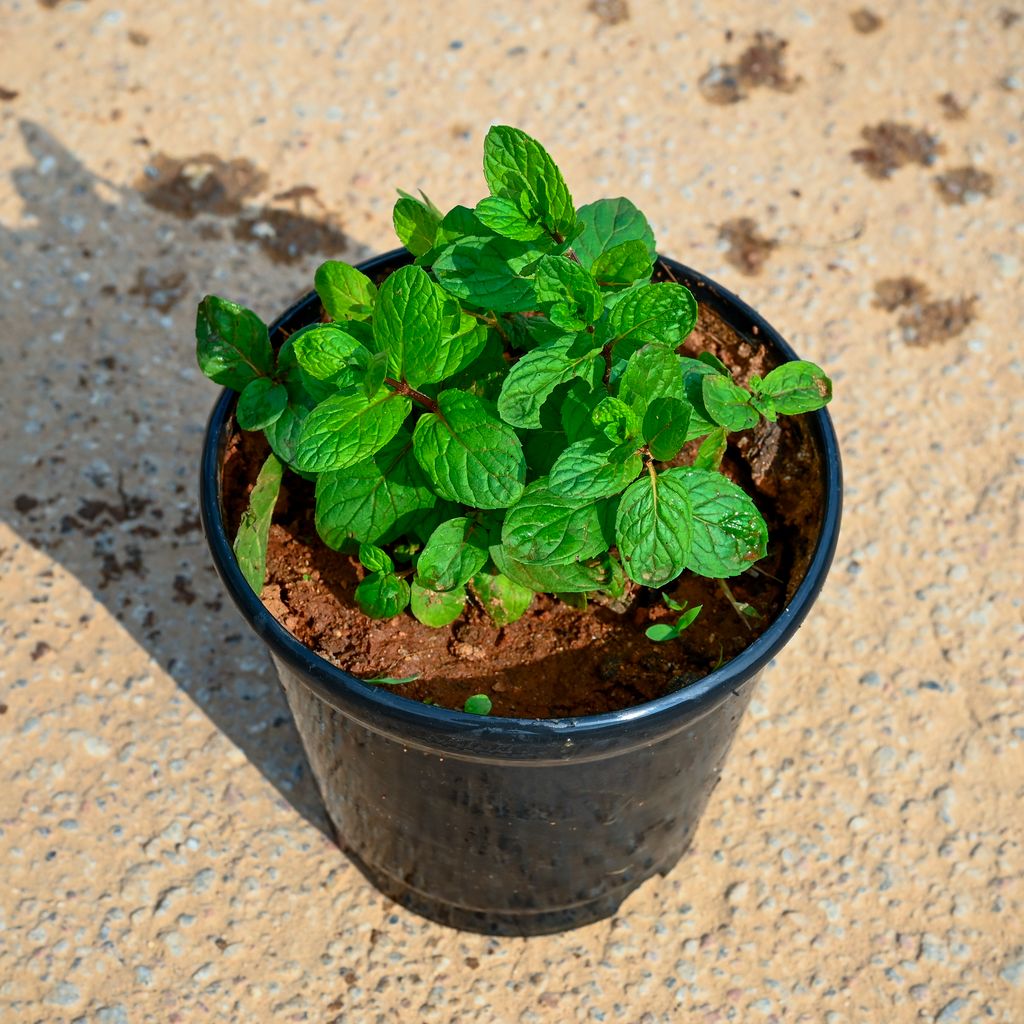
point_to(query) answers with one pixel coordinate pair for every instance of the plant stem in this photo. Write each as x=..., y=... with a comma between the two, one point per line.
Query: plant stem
x=402, y=388
x=724, y=587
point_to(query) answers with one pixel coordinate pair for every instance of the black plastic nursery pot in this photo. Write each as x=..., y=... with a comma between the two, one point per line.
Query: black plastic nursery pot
x=516, y=826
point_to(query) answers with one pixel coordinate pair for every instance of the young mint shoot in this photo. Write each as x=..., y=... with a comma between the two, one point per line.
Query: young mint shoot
x=507, y=414
x=662, y=631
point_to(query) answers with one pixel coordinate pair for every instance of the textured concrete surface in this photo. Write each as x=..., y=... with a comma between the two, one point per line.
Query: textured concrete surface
x=161, y=848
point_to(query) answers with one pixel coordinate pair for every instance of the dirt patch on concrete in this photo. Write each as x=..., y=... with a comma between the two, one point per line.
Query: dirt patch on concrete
x=200, y=184
x=952, y=108
x=964, y=185
x=891, y=146
x=865, y=21
x=761, y=65
x=747, y=249
x=611, y=12
x=924, y=321
x=158, y=290
x=286, y=236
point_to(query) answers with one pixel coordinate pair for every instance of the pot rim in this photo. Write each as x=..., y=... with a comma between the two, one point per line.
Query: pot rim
x=416, y=724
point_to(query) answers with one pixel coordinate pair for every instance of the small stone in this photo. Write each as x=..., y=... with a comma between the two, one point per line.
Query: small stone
x=64, y=994
x=737, y=893
x=950, y=1013
x=1013, y=972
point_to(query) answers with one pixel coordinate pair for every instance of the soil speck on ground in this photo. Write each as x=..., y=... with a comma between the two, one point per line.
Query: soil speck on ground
x=865, y=21
x=138, y=38
x=8, y=94
x=611, y=12
x=762, y=64
x=891, y=146
x=963, y=185
x=952, y=108
x=748, y=248
x=1008, y=17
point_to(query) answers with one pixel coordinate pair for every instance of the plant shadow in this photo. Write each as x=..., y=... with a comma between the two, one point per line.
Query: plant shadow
x=105, y=411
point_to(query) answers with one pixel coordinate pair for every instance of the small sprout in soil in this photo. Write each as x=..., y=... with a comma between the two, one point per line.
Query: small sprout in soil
x=662, y=631
x=392, y=681
x=478, y=704
x=508, y=414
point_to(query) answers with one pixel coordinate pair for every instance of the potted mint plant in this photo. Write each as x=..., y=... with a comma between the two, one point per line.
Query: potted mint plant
x=503, y=419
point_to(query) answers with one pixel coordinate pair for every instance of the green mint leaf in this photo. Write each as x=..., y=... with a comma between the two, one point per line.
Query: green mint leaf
x=378, y=498
x=712, y=450
x=376, y=372
x=488, y=272
x=616, y=421
x=392, y=681
x=326, y=352
x=664, y=312
x=728, y=531
x=797, y=387
x=250, y=545
x=484, y=375
x=653, y=529
x=532, y=379
x=347, y=429
x=623, y=265
x=503, y=599
x=577, y=408
x=518, y=167
x=546, y=528
x=665, y=426
x=437, y=608
x=694, y=374
x=416, y=224
x=716, y=364
x=409, y=324
x=232, y=343
x=382, y=595
x=375, y=559
x=283, y=434
x=470, y=456
x=570, y=578
x=260, y=404
x=607, y=224
x=541, y=448
x=347, y=293
x=764, y=404
x=455, y=552
x=567, y=293
x=478, y=704
x=688, y=618
x=651, y=372
x=727, y=403
x=661, y=631
x=593, y=468
x=463, y=348
x=503, y=217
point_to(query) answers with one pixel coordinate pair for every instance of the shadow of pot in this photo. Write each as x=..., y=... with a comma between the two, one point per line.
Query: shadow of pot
x=515, y=826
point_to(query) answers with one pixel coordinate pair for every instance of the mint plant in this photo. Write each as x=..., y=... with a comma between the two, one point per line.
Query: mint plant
x=503, y=416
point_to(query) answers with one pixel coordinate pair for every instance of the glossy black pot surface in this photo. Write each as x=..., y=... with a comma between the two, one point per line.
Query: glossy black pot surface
x=515, y=826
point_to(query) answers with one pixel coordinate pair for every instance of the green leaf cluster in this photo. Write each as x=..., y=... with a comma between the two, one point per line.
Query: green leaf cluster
x=509, y=413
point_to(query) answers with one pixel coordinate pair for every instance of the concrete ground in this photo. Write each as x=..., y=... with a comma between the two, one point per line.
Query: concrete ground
x=855, y=174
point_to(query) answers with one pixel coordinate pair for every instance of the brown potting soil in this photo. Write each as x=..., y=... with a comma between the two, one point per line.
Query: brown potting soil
x=556, y=661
